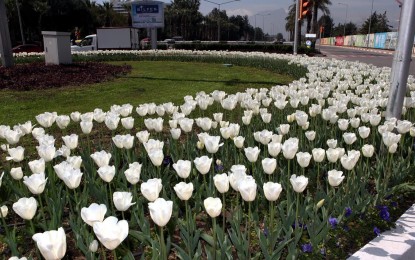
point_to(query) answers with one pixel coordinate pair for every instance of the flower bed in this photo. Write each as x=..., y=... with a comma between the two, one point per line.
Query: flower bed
x=278, y=172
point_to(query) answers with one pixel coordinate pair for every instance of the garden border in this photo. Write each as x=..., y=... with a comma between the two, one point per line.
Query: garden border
x=397, y=243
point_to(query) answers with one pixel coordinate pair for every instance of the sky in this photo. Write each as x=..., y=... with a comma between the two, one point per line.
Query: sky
x=357, y=10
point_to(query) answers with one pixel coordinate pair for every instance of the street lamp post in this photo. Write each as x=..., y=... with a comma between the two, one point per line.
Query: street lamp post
x=345, y=20
x=219, y=4
x=370, y=25
x=263, y=25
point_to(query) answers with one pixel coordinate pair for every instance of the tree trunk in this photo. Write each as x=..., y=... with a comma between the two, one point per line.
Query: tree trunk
x=314, y=18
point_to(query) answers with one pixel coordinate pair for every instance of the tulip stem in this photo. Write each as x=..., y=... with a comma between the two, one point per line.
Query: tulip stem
x=223, y=215
x=32, y=227
x=115, y=254
x=10, y=240
x=214, y=238
x=189, y=229
x=296, y=211
x=109, y=198
x=248, y=229
x=162, y=246
x=271, y=225
x=42, y=210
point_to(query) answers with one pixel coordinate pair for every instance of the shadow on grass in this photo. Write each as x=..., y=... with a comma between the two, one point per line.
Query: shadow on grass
x=231, y=82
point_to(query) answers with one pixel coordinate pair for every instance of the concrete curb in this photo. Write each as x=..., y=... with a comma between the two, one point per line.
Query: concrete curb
x=398, y=243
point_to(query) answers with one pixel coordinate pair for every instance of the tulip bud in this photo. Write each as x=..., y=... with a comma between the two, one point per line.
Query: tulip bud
x=4, y=211
x=160, y=211
x=213, y=206
x=184, y=190
x=16, y=173
x=93, y=247
x=320, y=203
x=200, y=145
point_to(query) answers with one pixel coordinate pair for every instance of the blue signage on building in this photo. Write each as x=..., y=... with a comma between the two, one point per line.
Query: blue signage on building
x=147, y=9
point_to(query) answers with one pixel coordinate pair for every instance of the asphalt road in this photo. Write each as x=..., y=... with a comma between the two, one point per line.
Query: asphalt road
x=379, y=58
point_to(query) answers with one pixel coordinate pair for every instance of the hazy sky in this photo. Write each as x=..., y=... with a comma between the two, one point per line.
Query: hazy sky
x=357, y=11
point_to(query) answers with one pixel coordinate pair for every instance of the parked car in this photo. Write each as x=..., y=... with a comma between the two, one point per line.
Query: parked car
x=27, y=48
x=170, y=41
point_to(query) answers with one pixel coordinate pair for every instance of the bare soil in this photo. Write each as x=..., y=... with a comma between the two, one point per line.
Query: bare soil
x=24, y=77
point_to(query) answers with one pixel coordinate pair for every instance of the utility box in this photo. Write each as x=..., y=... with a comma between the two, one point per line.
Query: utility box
x=57, y=47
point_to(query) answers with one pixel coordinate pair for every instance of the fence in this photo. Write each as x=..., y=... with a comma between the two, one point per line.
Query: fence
x=384, y=40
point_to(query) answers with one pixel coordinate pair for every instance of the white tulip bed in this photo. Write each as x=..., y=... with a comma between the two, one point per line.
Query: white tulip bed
x=262, y=174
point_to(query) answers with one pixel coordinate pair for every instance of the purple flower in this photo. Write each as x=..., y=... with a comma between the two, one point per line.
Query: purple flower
x=346, y=228
x=394, y=204
x=384, y=213
x=219, y=167
x=376, y=230
x=167, y=160
x=333, y=222
x=348, y=212
x=307, y=248
x=266, y=232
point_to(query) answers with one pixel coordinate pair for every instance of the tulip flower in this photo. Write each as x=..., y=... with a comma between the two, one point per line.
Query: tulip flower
x=101, y=158
x=74, y=161
x=51, y=244
x=290, y=148
x=111, y=121
x=269, y=165
x=106, y=173
x=272, y=191
x=212, y=143
x=62, y=121
x=311, y=135
x=186, y=124
x=26, y=127
x=71, y=141
x=16, y=154
x=335, y=177
x=332, y=155
x=47, y=152
x=175, y=133
x=221, y=182
x=16, y=173
x=247, y=188
x=303, y=159
x=349, y=138
x=299, y=183
x=98, y=115
x=86, y=127
x=35, y=182
x=239, y=141
x=25, y=208
x=252, y=153
x=87, y=117
x=184, y=190
x=203, y=164
x=160, y=211
x=156, y=156
x=1, y=178
x=37, y=166
x=349, y=161
x=318, y=154
x=94, y=213
x=127, y=123
x=235, y=178
x=368, y=150
x=4, y=210
x=332, y=143
x=364, y=132
x=72, y=178
x=13, y=137
x=133, y=173
x=111, y=232
x=75, y=116
x=153, y=145
x=122, y=200
x=46, y=119
x=151, y=189
x=393, y=148
x=213, y=206
x=183, y=168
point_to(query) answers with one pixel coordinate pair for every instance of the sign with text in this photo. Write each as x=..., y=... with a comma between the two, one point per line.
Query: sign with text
x=311, y=35
x=147, y=14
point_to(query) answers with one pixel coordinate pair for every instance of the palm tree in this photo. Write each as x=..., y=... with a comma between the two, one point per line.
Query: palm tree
x=319, y=5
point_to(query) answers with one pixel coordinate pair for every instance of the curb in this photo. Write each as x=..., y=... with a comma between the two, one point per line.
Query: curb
x=390, y=52
x=398, y=243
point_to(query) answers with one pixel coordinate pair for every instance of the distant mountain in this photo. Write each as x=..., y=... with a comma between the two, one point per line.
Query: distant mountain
x=273, y=21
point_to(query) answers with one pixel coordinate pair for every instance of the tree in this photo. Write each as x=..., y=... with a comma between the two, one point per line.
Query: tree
x=378, y=23
x=326, y=22
x=319, y=5
x=339, y=30
x=279, y=37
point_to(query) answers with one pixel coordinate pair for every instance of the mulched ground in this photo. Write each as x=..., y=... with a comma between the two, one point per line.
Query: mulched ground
x=24, y=77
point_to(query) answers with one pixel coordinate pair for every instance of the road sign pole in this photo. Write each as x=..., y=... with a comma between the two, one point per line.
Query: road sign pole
x=401, y=61
x=296, y=21
x=5, y=43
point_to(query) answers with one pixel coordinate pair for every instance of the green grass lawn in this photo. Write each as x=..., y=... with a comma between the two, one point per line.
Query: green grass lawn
x=149, y=81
